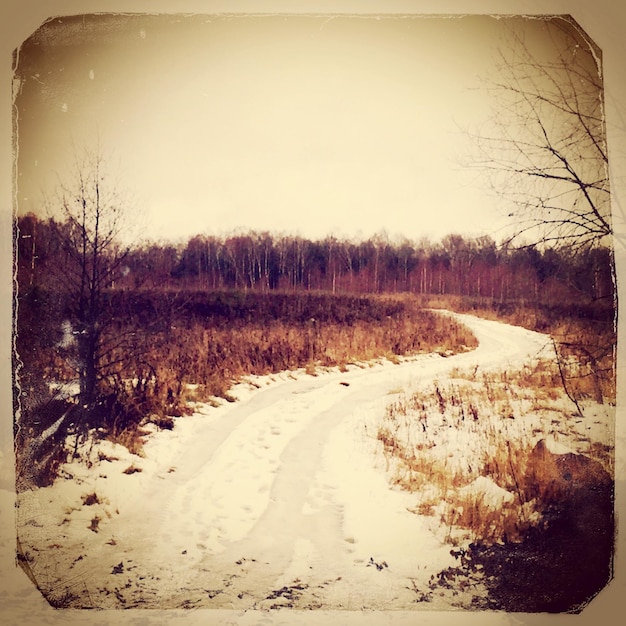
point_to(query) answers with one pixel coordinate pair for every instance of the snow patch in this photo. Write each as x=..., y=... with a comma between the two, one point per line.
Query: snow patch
x=553, y=446
x=488, y=491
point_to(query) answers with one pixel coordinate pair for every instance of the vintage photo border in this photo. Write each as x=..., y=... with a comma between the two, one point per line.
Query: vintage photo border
x=603, y=20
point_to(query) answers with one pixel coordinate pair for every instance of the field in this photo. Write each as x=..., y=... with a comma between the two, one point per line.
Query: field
x=162, y=351
x=348, y=442
x=248, y=384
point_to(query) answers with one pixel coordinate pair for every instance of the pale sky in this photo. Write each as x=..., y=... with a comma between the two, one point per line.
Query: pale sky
x=298, y=124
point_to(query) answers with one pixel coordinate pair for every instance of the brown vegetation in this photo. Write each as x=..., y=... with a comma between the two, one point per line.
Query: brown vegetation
x=584, y=333
x=178, y=324
x=510, y=483
x=167, y=351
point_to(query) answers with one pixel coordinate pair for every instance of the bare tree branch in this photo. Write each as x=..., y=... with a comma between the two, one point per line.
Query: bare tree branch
x=544, y=149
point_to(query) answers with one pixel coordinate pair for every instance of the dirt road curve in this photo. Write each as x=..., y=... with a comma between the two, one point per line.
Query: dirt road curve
x=279, y=499
x=283, y=501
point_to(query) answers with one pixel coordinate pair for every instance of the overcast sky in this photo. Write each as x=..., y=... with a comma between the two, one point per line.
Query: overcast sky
x=309, y=125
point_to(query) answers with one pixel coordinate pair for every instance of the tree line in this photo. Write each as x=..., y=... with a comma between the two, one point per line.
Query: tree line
x=261, y=261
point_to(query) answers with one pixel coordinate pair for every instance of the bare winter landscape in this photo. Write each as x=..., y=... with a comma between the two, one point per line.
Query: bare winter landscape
x=287, y=497
x=266, y=419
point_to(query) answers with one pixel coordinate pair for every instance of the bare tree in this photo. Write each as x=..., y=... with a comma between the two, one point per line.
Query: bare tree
x=89, y=213
x=545, y=152
x=544, y=149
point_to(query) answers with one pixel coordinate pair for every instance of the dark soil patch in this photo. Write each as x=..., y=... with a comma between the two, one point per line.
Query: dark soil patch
x=557, y=569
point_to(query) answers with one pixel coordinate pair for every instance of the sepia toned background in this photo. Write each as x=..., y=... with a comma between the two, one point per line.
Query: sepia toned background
x=602, y=21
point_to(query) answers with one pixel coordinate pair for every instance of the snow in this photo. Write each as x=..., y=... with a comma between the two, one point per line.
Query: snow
x=492, y=494
x=555, y=447
x=281, y=498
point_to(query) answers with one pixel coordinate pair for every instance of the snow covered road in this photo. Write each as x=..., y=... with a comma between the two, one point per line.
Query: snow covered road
x=295, y=497
x=278, y=499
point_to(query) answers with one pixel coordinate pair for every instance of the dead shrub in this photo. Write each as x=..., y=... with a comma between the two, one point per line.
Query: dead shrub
x=557, y=478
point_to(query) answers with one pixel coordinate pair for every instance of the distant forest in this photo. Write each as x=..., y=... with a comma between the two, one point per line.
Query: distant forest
x=456, y=265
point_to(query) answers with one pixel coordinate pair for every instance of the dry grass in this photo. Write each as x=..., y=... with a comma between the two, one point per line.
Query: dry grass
x=131, y=438
x=90, y=499
x=199, y=357
x=165, y=352
x=585, y=335
x=493, y=494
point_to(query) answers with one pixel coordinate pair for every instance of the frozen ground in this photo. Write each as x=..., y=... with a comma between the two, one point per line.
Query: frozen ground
x=280, y=499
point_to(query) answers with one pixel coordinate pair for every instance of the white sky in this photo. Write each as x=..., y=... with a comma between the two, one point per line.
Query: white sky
x=319, y=126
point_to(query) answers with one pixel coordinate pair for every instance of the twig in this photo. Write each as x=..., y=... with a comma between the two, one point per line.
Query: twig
x=567, y=392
